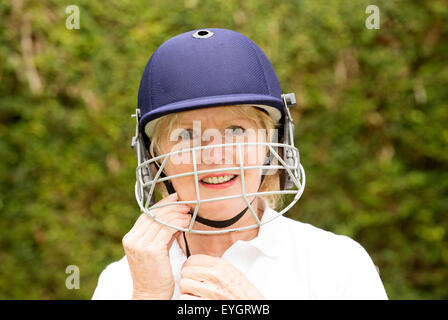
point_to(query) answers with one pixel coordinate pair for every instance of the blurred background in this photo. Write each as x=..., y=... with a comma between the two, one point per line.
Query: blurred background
x=371, y=127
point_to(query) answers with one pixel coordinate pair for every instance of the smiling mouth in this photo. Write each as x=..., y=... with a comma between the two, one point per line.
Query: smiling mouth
x=218, y=180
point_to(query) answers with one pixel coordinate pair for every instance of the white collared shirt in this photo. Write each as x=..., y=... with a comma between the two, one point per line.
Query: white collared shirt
x=287, y=260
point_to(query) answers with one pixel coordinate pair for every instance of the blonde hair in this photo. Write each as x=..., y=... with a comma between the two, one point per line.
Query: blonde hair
x=162, y=126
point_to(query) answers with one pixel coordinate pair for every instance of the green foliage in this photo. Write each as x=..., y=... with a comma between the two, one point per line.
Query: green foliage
x=371, y=127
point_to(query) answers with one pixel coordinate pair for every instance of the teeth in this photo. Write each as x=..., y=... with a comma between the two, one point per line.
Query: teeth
x=216, y=180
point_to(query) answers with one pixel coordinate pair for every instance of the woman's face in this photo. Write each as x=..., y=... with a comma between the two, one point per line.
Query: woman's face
x=211, y=127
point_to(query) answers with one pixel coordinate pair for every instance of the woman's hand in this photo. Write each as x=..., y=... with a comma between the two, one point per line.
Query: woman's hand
x=206, y=277
x=147, y=247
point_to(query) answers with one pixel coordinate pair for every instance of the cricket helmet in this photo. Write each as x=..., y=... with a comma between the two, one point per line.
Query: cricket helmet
x=209, y=68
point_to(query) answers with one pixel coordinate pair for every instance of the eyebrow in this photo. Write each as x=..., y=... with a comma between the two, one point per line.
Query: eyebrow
x=190, y=122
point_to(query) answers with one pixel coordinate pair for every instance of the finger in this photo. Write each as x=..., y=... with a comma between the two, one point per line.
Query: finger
x=203, y=260
x=146, y=228
x=168, y=214
x=199, y=273
x=175, y=235
x=136, y=227
x=145, y=223
x=166, y=234
x=172, y=198
x=200, y=289
x=153, y=230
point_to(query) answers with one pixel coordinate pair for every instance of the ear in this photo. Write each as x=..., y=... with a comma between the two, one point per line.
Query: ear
x=267, y=161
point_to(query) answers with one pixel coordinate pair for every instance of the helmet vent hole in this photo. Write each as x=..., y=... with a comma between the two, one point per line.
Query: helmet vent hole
x=202, y=34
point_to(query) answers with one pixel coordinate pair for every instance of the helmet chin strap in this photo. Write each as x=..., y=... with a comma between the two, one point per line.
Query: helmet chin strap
x=208, y=222
x=215, y=223
x=220, y=223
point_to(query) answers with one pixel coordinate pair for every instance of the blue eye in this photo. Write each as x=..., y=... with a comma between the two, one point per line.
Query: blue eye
x=186, y=134
x=236, y=130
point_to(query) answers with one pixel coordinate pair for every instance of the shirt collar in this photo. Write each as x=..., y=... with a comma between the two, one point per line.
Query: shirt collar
x=267, y=240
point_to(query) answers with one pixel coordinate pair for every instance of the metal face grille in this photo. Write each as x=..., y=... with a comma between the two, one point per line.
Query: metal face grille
x=146, y=182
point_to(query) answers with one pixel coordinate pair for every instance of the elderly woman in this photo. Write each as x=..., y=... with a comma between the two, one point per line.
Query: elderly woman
x=214, y=137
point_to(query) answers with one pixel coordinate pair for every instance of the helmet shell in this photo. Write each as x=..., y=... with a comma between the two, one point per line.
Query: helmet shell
x=205, y=68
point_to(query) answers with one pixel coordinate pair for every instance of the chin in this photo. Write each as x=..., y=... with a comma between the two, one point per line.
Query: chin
x=222, y=209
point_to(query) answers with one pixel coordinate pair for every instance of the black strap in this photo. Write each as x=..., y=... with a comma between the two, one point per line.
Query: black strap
x=168, y=185
x=220, y=223
x=214, y=224
x=187, y=249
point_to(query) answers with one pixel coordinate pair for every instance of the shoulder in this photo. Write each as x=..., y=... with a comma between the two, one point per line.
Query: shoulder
x=317, y=240
x=305, y=241
x=114, y=282
x=336, y=266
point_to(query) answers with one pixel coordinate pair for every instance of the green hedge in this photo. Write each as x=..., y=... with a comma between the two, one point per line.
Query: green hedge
x=371, y=127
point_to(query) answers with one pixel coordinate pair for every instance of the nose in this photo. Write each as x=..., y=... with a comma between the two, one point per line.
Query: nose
x=216, y=155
